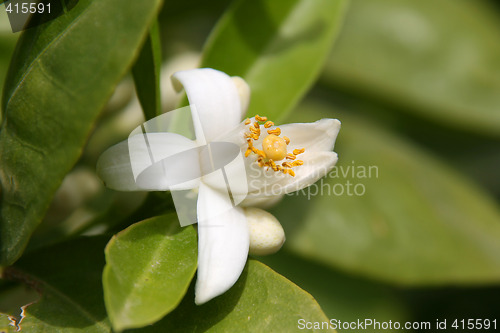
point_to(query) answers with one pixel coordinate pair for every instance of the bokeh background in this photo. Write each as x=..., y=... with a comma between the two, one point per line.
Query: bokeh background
x=416, y=84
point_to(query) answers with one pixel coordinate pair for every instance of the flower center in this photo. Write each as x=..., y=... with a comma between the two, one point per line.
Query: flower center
x=274, y=147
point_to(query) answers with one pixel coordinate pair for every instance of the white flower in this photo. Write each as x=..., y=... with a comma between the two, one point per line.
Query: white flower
x=264, y=168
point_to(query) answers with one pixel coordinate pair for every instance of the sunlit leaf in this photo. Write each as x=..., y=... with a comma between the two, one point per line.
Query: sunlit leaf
x=61, y=76
x=148, y=269
x=408, y=54
x=261, y=301
x=277, y=46
x=392, y=211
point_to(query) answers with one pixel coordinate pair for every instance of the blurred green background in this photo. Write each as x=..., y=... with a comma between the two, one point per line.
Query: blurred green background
x=416, y=84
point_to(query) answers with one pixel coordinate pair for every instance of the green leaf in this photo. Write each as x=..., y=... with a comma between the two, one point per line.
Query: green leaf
x=146, y=73
x=406, y=217
x=61, y=76
x=342, y=296
x=406, y=53
x=7, y=45
x=148, y=269
x=277, y=46
x=261, y=301
x=68, y=277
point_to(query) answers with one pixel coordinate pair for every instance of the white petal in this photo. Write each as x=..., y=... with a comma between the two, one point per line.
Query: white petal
x=223, y=243
x=317, y=136
x=235, y=135
x=316, y=165
x=183, y=61
x=214, y=100
x=138, y=163
x=228, y=158
x=115, y=170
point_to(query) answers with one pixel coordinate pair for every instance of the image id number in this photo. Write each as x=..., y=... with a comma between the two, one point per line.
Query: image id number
x=25, y=8
x=474, y=324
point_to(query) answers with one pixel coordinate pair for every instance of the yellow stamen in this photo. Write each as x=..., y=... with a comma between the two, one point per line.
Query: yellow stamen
x=290, y=172
x=259, y=118
x=298, y=151
x=291, y=156
x=259, y=152
x=297, y=163
x=256, y=124
x=255, y=130
x=287, y=164
x=268, y=124
x=247, y=121
x=275, y=131
x=247, y=153
x=273, y=165
x=287, y=140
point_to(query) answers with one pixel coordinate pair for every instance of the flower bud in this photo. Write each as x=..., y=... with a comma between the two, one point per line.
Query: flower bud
x=266, y=234
x=243, y=92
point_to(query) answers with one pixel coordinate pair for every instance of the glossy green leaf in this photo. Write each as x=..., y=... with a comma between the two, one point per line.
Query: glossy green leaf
x=148, y=269
x=391, y=211
x=408, y=54
x=261, y=301
x=277, y=46
x=61, y=76
x=146, y=73
x=341, y=296
x=68, y=277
